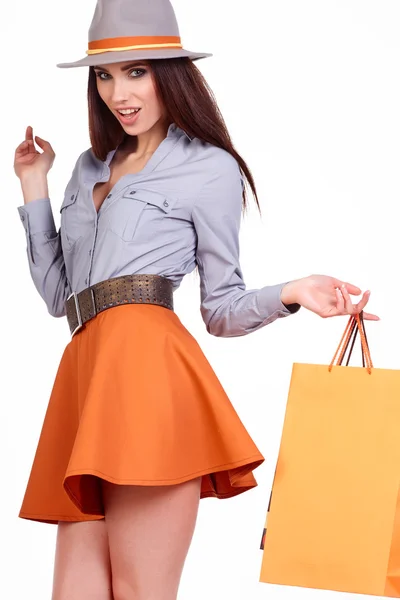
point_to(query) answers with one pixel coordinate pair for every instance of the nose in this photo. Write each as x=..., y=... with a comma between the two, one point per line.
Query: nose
x=120, y=91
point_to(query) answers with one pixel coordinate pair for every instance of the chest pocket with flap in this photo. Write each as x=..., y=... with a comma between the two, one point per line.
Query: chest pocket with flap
x=71, y=224
x=140, y=207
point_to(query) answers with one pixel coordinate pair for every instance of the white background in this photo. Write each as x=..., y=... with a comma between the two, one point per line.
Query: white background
x=311, y=92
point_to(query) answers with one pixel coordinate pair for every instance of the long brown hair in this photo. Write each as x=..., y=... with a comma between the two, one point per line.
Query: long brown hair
x=193, y=109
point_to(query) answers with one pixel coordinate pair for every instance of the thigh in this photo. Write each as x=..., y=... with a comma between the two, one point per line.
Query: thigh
x=149, y=531
x=82, y=562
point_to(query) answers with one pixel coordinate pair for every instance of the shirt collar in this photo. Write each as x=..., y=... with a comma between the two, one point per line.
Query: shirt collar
x=173, y=129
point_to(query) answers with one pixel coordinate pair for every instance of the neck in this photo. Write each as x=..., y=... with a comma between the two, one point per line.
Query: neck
x=147, y=142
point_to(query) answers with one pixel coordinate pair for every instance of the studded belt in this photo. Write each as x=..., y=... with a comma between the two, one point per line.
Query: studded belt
x=128, y=289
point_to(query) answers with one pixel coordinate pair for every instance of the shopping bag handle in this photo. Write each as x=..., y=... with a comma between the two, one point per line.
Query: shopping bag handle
x=354, y=327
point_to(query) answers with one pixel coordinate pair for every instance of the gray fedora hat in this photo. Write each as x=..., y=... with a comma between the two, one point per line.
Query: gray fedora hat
x=123, y=30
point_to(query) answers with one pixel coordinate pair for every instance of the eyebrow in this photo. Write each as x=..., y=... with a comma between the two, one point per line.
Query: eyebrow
x=126, y=68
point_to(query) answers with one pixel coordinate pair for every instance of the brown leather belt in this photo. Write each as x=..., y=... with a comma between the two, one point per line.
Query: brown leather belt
x=128, y=289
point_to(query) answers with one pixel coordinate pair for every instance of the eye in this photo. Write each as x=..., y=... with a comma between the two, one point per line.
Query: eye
x=101, y=75
x=137, y=73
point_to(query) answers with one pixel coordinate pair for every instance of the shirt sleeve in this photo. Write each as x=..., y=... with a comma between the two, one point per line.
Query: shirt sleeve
x=45, y=257
x=227, y=308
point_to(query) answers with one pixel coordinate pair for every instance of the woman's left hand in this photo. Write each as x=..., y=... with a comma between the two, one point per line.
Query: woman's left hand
x=326, y=296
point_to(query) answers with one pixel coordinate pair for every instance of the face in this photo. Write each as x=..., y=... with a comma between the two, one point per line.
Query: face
x=127, y=88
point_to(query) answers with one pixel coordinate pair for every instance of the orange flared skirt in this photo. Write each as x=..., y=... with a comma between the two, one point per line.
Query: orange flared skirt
x=135, y=402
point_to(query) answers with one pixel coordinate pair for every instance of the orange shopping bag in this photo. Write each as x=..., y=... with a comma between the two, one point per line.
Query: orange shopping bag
x=334, y=514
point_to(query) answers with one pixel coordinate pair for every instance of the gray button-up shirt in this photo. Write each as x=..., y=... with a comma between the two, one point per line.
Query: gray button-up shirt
x=181, y=210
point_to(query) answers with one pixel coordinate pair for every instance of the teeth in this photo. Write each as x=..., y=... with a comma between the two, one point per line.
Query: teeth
x=128, y=111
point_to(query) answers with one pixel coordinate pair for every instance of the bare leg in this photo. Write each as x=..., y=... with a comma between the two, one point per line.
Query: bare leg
x=149, y=530
x=82, y=563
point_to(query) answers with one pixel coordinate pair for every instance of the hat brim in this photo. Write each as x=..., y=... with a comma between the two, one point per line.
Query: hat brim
x=107, y=58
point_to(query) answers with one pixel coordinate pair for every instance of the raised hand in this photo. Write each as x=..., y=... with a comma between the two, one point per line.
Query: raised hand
x=32, y=166
x=28, y=161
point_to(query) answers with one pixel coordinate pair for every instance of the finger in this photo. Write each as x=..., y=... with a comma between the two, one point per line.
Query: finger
x=44, y=145
x=352, y=289
x=26, y=147
x=348, y=304
x=339, y=301
x=29, y=134
x=370, y=317
x=29, y=139
x=363, y=302
x=23, y=147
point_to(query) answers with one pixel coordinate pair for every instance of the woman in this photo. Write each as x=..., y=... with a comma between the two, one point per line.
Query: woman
x=138, y=427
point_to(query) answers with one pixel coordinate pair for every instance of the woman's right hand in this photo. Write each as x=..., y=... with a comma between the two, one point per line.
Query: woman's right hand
x=28, y=162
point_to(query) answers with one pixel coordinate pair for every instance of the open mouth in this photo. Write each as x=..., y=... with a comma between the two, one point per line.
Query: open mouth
x=128, y=113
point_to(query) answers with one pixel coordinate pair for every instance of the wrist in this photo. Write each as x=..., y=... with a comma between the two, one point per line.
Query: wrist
x=34, y=186
x=289, y=293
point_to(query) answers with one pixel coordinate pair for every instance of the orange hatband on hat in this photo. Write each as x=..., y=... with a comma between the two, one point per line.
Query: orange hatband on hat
x=134, y=43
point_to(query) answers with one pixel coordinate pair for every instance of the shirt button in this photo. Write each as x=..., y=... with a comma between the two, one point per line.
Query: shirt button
x=166, y=203
x=132, y=192
x=22, y=217
x=72, y=197
x=109, y=195
x=86, y=280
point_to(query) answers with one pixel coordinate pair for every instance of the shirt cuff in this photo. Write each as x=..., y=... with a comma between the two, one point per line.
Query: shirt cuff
x=37, y=216
x=270, y=303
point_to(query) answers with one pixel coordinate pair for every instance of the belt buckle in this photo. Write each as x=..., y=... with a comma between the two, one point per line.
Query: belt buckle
x=78, y=313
